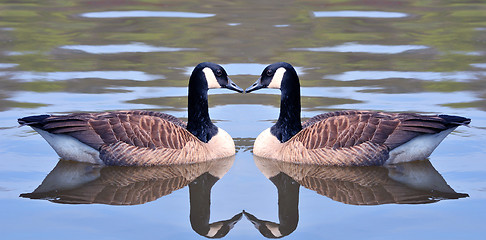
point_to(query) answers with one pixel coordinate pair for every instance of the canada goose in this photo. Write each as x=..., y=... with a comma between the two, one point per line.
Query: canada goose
x=345, y=138
x=200, y=199
x=288, y=209
x=84, y=183
x=404, y=183
x=415, y=182
x=143, y=138
x=73, y=182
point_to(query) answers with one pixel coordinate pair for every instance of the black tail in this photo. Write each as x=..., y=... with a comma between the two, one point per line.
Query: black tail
x=32, y=120
x=455, y=120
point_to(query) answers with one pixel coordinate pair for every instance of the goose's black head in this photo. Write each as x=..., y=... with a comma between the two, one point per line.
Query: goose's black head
x=208, y=75
x=266, y=228
x=283, y=76
x=222, y=228
x=280, y=75
x=205, y=76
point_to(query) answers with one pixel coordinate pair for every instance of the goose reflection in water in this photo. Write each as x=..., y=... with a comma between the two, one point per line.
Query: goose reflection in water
x=406, y=183
x=83, y=183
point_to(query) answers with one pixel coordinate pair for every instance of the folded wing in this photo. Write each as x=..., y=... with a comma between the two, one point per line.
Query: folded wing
x=366, y=135
x=117, y=133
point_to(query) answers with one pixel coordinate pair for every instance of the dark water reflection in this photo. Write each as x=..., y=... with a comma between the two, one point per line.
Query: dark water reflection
x=406, y=183
x=82, y=183
x=92, y=56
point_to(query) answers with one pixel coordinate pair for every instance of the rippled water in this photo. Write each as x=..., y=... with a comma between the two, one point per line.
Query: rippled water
x=401, y=56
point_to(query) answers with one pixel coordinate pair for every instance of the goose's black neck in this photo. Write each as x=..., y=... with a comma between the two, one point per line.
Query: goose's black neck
x=288, y=202
x=288, y=209
x=199, y=123
x=200, y=201
x=200, y=206
x=288, y=123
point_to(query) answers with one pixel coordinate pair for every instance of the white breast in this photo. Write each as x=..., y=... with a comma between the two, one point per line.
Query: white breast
x=266, y=145
x=221, y=145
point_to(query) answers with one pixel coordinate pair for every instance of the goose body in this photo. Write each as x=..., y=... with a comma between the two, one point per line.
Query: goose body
x=415, y=182
x=345, y=138
x=143, y=138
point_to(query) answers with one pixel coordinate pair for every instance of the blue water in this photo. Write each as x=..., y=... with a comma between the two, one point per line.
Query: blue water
x=85, y=56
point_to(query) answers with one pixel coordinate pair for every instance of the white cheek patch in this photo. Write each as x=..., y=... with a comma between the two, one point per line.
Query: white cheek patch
x=277, y=78
x=210, y=78
x=274, y=229
x=213, y=229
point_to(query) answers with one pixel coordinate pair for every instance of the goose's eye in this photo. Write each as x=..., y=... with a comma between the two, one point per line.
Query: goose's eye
x=269, y=72
x=219, y=72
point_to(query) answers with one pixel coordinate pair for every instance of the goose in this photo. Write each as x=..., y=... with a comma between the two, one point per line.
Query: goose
x=84, y=183
x=345, y=138
x=143, y=138
x=288, y=208
x=416, y=182
x=200, y=209
x=71, y=182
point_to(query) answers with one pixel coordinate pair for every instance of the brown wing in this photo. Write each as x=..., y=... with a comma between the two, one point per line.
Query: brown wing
x=347, y=129
x=370, y=186
x=136, y=128
x=114, y=186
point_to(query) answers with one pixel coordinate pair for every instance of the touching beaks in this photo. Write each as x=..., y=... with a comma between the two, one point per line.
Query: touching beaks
x=255, y=86
x=232, y=86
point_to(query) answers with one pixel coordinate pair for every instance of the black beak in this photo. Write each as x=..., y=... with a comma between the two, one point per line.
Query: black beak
x=227, y=225
x=232, y=86
x=256, y=222
x=257, y=85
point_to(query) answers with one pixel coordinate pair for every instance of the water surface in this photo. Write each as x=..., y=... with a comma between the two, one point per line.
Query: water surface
x=83, y=56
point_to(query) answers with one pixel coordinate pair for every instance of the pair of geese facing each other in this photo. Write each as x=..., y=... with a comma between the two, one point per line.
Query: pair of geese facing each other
x=82, y=183
x=144, y=138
